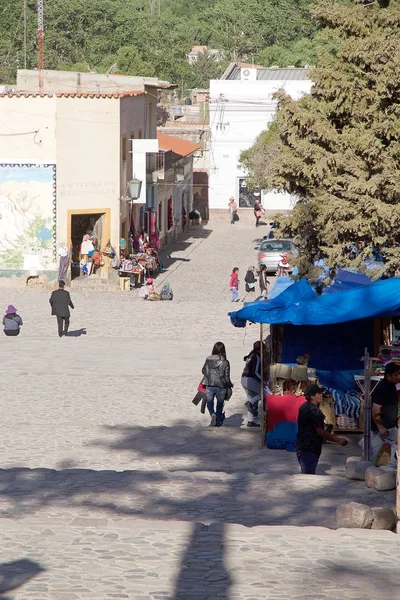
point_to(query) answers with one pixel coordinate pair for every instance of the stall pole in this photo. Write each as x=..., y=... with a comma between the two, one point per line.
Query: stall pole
x=367, y=406
x=398, y=482
x=263, y=427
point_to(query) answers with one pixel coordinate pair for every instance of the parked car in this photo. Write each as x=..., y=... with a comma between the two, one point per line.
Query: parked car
x=270, y=252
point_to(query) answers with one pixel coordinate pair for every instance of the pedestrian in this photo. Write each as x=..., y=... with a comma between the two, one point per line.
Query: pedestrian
x=384, y=414
x=60, y=301
x=250, y=287
x=311, y=431
x=64, y=262
x=232, y=209
x=258, y=211
x=11, y=321
x=263, y=281
x=251, y=381
x=217, y=380
x=234, y=284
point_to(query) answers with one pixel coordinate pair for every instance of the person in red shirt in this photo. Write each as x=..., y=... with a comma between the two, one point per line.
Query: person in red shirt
x=234, y=284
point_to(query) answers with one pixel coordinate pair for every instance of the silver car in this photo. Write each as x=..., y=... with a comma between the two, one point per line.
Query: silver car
x=270, y=252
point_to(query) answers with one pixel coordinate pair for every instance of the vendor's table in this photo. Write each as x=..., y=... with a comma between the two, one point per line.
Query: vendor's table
x=375, y=379
x=134, y=277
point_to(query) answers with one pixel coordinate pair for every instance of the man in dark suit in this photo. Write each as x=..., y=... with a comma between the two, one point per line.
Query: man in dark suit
x=60, y=301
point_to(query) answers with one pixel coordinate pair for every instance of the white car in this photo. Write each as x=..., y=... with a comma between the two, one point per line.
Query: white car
x=270, y=252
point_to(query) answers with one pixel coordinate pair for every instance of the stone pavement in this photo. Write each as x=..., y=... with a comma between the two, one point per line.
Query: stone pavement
x=112, y=484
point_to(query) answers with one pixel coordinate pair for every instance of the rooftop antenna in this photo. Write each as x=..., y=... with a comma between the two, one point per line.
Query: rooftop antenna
x=40, y=43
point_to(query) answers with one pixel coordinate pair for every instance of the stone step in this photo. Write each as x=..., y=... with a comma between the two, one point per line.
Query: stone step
x=93, y=283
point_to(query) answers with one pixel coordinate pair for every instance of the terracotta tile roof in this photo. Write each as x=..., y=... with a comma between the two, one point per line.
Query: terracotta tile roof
x=72, y=94
x=170, y=143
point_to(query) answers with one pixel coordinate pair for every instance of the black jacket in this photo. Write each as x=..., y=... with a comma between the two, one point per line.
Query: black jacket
x=250, y=278
x=216, y=371
x=60, y=301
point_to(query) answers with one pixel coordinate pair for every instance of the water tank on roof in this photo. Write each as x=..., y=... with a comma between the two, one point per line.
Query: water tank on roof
x=188, y=101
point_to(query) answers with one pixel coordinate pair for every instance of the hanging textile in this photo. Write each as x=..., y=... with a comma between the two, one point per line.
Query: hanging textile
x=132, y=228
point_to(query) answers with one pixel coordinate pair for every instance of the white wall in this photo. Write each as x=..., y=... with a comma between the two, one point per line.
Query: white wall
x=88, y=159
x=19, y=117
x=239, y=111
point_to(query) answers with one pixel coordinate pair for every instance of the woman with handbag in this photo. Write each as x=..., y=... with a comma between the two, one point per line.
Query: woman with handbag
x=258, y=211
x=217, y=380
x=250, y=286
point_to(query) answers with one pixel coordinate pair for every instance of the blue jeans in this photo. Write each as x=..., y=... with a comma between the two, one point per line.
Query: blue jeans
x=235, y=294
x=308, y=462
x=232, y=216
x=220, y=394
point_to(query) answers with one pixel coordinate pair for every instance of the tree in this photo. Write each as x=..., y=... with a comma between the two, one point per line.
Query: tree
x=206, y=67
x=337, y=149
x=130, y=62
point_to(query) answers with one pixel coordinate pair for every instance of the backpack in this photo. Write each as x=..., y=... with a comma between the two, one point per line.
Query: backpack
x=166, y=292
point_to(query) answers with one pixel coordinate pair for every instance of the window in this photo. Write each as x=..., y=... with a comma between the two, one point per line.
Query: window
x=276, y=246
x=124, y=149
x=247, y=197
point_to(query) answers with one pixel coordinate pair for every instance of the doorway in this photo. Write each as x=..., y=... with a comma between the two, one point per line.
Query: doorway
x=80, y=223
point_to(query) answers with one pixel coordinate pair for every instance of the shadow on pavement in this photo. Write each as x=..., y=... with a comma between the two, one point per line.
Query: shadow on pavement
x=203, y=573
x=182, y=245
x=77, y=332
x=15, y=574
x=225, y=477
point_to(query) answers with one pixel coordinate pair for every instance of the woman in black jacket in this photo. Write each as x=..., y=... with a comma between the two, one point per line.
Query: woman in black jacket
x=217, y=379
x=250, y=287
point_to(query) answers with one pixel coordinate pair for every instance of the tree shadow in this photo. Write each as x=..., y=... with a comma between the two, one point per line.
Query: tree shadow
x=196, y=474
x=203, y=573
x=15, y=574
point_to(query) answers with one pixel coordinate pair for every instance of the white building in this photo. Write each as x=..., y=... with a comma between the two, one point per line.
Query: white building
x=241, y=107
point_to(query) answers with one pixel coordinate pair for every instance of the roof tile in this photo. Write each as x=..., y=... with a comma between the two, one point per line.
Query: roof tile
x=72, y=94
x=170, y=143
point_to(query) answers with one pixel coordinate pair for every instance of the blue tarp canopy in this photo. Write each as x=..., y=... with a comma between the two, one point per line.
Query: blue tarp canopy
x=352, y=297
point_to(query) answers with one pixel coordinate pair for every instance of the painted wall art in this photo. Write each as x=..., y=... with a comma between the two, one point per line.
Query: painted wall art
x=27, y=216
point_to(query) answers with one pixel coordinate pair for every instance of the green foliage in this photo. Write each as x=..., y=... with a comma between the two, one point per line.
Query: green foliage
x=153, y=37
x=337, y=149
x=13, y=258
x=130, y=62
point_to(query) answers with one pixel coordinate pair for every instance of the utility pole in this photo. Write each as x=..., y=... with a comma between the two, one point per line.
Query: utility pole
x=40, y=42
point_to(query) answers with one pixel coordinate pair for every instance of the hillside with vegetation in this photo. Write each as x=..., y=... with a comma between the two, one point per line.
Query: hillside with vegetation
x=153, y=37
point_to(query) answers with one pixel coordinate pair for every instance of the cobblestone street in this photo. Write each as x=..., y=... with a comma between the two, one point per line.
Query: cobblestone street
x=112, y=484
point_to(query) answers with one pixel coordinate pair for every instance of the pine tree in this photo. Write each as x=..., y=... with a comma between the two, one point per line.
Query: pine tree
x=337, y=149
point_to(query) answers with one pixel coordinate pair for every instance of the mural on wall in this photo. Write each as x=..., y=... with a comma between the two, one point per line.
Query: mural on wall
x=27, y=216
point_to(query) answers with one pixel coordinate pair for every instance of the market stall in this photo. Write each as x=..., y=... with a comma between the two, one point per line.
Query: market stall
x=328, y=333
x=139, y=266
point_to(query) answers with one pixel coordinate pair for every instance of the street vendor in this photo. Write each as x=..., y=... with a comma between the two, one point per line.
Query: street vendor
x=384, y=414
x=311, y=431
x=148, y=291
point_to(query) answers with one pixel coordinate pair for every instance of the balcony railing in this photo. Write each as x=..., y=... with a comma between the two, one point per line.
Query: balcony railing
x=155, y=162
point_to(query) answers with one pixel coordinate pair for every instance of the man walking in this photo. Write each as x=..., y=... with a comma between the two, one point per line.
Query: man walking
x=312, y=432
x=384, y=414
x=60, y=301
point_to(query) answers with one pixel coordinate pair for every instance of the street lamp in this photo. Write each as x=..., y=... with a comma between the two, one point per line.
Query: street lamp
x=134, y=189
